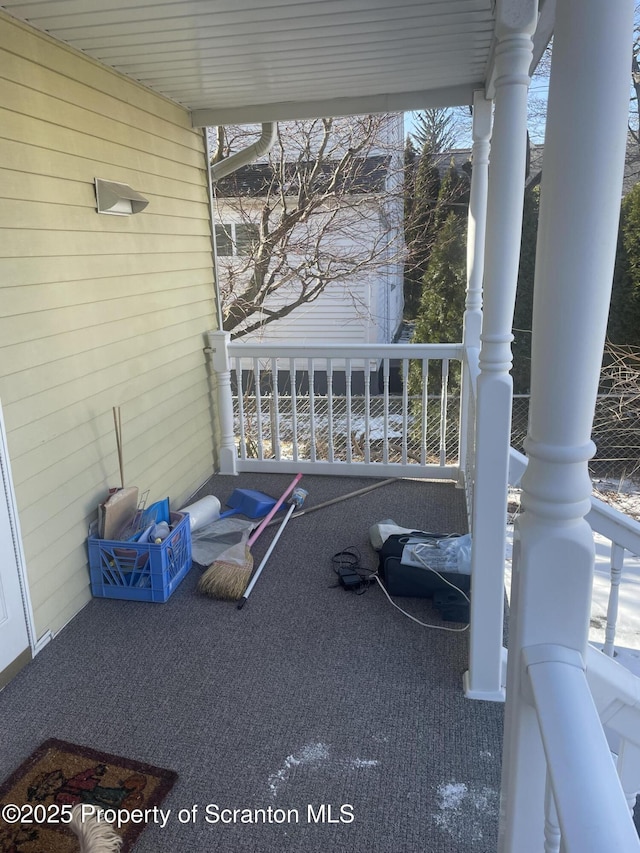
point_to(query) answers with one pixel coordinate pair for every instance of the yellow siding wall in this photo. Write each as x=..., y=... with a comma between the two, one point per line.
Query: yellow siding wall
x=95, y=310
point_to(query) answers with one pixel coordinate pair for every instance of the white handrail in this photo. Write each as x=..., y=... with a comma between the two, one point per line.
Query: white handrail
x=239, y=348
x=589, y=799
x=351, y=420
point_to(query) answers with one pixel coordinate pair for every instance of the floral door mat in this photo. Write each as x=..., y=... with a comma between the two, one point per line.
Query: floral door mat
x=35, y=801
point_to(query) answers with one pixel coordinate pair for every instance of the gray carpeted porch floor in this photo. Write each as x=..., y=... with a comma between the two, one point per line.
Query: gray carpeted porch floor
x=310, y=695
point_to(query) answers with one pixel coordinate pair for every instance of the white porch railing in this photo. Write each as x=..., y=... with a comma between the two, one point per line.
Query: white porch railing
x=622, y=532
x=589, y=716
x=587, y=809
x=372, y=410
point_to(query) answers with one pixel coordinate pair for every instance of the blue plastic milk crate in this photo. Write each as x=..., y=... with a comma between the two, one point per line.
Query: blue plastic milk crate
x=137, y=572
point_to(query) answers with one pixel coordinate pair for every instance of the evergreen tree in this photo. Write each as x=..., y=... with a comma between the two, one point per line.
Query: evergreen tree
x=422, y=188
x=443, y=295
x=436, y=129
x=443, y=285
x=443, y=291
x=624, y=312
x=523, y=314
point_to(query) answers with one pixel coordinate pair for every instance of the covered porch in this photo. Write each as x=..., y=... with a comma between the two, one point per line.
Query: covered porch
x=305, y=685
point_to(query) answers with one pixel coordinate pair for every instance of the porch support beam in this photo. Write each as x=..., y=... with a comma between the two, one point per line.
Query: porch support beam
x=218, y=351
x=580, y=204
x=477, y=220
x=516, y=23
x=476, y=231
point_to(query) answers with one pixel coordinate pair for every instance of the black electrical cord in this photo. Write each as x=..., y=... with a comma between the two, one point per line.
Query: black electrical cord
x=351, y=575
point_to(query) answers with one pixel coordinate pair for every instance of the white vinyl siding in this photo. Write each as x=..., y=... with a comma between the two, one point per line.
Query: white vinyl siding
x=96, y=311
x=340, y=314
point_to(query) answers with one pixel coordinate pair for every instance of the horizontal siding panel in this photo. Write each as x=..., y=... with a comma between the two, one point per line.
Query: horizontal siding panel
x=61, y=87
x=48, y=54
x=49, y=514
x=42, y=106
x=86, y=344
x=42, y=324
x=28, y=187
x=26, y=409
x=73, y=571
x=28, y=157
x=55, y=441
x=58, y=609
x=337, y=316
x=66, y=294
x=31, y=271
x=23, y=128
x=97, y=311
x=17, y=244
x=36, y=215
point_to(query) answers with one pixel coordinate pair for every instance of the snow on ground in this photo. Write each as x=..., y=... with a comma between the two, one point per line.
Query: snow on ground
x=626, y=498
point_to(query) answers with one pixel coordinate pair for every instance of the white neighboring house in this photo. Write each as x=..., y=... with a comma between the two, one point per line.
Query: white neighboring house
x=363, y=226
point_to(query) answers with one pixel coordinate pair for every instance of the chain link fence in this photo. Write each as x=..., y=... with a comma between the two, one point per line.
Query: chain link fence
x=323, y=428
x=616, y=433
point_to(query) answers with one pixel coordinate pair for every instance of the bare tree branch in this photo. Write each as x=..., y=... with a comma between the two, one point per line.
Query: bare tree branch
x=312, y=204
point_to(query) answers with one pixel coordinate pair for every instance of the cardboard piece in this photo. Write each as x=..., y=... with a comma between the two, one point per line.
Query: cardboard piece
x=116, y=512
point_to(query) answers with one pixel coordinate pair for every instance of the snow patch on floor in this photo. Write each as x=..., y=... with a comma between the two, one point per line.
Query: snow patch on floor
x=460, y=808
x=310, y=754
x=363, y=762
x=313, y=755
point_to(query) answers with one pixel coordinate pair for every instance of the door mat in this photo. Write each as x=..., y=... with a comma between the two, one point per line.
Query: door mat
x=61, y=774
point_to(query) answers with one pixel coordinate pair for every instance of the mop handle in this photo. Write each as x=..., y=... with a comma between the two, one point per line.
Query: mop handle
x=274, y=510
x=297, y=500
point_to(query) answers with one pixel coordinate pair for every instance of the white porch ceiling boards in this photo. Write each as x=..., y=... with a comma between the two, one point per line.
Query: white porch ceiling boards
x=255, y=60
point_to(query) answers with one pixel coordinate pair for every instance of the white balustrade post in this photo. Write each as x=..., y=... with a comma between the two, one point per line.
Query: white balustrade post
x=617, y=562
x=477, y=219
x=579, y=210
x=515, y=25
x=476, y=230
x=218, y=343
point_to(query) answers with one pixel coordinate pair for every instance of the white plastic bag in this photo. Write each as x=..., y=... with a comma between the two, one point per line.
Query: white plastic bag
x=457, y=553
x=226, y=536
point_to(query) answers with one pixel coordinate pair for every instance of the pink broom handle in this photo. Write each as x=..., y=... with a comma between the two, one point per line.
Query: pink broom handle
x=275, y=509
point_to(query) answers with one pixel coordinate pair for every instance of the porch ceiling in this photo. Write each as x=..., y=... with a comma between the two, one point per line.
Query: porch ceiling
x=244, y=61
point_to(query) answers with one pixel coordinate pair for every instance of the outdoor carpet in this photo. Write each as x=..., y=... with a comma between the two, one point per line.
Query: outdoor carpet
x=36, y=799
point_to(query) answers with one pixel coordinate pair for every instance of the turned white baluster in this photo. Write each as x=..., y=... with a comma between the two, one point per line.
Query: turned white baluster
x=617, y=562
x=515, y=25
x=218, y=342
x=476, y=230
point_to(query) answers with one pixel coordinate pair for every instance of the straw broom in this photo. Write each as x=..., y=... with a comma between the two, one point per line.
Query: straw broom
x=228, y=580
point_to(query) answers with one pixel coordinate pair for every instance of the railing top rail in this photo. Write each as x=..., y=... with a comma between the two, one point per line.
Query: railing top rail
x=342, y=351
x=614, y=525
x=591, y=806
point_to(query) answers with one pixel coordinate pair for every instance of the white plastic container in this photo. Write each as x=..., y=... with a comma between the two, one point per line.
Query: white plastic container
x=203, y=512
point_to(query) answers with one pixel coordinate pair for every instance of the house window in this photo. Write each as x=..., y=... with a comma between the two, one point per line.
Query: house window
x=232, y=239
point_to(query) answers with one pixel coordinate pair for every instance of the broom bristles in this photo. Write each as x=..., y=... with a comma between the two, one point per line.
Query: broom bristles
x=225, y=579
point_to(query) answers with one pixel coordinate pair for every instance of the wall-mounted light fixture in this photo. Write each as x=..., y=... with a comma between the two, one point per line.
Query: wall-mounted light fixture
x=118, y=199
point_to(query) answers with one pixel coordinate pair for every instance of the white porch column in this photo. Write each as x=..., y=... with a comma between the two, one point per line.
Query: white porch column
x=516, y=22
x=218, y=343
x=580, y=203
x=477, y=221
x=476, y=230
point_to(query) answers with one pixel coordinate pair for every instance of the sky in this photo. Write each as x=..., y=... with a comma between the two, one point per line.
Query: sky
x=538, y=91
